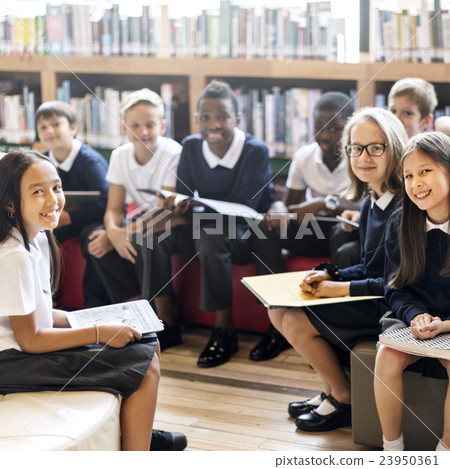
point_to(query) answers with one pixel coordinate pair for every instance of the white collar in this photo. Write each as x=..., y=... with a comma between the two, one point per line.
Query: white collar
x=443, y=226
x=383, y=201
x=231, y=157
x=67, y=164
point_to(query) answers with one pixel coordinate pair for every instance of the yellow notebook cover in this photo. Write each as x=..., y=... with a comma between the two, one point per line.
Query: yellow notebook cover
x=283, y=291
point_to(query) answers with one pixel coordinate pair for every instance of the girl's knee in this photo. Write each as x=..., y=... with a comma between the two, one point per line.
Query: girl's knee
x=153, y=371
x=390, y=362
x=296, y=321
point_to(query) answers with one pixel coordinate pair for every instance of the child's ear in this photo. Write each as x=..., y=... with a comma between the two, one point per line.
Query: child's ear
x=427, y=121
x=10, y=210
x=163, y=126
x=74, y=128
x=238, y=118
x=123, y=127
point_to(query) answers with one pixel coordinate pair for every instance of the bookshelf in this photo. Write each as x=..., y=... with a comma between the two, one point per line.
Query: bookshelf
x=261, y=60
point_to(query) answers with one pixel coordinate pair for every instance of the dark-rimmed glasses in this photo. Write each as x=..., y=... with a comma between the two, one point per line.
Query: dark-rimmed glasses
x=374, y=149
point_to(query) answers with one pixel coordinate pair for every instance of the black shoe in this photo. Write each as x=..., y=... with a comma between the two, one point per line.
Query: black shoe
x=169, y=337
x=167, y=441
x=270, y=346
x=302, y=407
x=221, y=347
x=314, y=422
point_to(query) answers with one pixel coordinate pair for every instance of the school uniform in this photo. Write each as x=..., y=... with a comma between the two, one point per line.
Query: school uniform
x=346, y=324
x=25, y=288
x=430, y=295
x=83, y=170
x=242, y=175
x=117, y=279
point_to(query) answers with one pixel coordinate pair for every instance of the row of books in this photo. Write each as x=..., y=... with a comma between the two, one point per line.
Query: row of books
x=17, y=109
x=307, y=31
x=422, y=36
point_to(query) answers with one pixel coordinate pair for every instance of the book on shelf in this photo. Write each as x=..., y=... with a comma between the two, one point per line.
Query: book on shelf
x=403, y=340
x=138, y=314
x=283, y=291
x=212, y=205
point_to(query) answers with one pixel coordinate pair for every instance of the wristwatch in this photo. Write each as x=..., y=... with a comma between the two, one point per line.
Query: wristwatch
x=331, y=202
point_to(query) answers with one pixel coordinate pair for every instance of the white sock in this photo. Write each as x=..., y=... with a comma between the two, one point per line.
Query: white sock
x=326, y=408
x=442, y=447
x=316, y=400
x=396, y=445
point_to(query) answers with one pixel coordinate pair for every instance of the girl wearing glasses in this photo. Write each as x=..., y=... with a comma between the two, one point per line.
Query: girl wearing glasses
x=418, y=272
x=373, y=139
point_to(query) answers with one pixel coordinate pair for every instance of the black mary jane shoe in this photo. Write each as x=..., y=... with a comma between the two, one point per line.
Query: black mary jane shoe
x=221, y=347
x=302, y=407
x=270, y=346
x=314, y=422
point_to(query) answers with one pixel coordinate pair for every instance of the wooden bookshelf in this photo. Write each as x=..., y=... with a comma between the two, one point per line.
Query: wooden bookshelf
x=366, y=78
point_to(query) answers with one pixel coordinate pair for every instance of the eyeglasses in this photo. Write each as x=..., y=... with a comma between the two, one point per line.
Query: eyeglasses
x=374, y=149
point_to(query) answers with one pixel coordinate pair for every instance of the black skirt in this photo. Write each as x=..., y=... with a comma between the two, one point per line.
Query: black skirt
x=346, y=324
x=89, y=368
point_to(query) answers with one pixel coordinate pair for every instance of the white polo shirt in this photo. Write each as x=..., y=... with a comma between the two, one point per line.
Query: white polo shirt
x=24, y=284
x=160, y=171
x=309, y=172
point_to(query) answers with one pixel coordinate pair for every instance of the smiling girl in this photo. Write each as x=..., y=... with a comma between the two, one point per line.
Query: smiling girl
x=418, y=270
x=373, y=140
x=33, y=336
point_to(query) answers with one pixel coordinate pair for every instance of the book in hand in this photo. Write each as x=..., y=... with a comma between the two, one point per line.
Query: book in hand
x=403, y=340
x=76, y=200
x=219, y=206
x=283, y=291
x=138, y=314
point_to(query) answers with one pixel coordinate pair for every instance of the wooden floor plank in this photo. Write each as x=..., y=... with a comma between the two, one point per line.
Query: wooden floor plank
x=241, y=405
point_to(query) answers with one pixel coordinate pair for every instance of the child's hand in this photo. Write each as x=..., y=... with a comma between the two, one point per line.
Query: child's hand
x=330, y=289
x=312, y=279
x=117, y=335
x=99, y=244
x=119, y=240
x=352, y=215
x=178, y=209
x=425, y=326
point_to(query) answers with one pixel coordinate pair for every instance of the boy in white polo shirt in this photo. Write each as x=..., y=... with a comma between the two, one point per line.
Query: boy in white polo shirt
x=149, y=160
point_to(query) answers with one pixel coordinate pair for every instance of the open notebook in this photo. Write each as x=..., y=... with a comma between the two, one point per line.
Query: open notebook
x=138, y=314
x=219, y=206
x=402, y=339
x=283, y=290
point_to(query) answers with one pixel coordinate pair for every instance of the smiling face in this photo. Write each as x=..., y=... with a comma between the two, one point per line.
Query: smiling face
x=143, y=125
x=369, y=169
x=427, y=184
x=42, y=198
x=216, y=120
x=409, y=114
x=56, y=134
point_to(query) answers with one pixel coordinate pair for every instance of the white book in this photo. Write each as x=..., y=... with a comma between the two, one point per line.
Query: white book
x=138, y=314
x=219, y=206
x=403, y=340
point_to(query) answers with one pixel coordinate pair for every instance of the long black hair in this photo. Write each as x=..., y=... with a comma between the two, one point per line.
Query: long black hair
x=412, y=222
x=12, y=167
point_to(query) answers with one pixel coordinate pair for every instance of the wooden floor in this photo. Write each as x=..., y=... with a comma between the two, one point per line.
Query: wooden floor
x=242, y=405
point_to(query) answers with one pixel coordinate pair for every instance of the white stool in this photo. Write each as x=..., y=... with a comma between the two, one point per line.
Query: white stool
x=68, y=421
